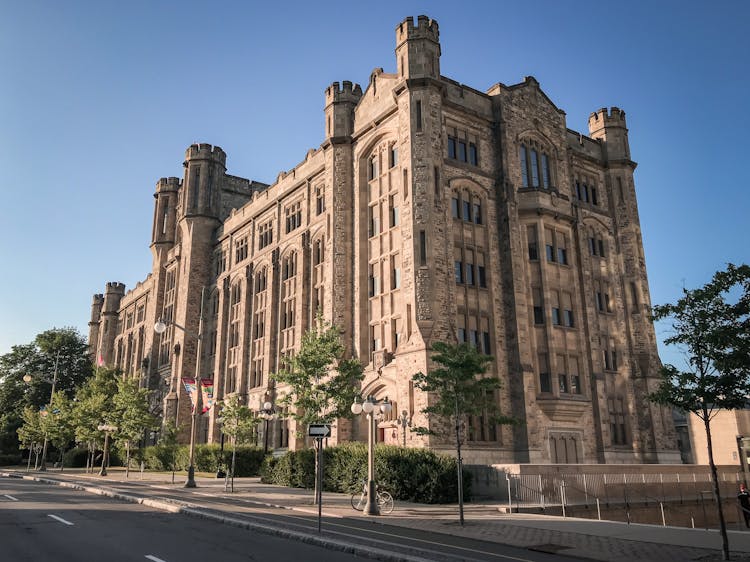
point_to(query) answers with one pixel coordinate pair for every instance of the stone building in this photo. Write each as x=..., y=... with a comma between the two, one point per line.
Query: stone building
x=431, y=211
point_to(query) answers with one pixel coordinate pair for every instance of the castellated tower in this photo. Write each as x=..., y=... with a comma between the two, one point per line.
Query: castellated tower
x=418, y=48
x=94, y=324
x=339, y=110
x=110, y=308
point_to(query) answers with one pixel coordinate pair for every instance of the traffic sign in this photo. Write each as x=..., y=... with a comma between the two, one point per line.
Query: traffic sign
x=319, y=430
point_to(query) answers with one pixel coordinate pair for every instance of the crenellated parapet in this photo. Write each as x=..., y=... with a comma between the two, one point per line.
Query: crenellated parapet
x=167, y=185
x=205, y=151
x=426, y=28
x=341, y=99
x=610, y=127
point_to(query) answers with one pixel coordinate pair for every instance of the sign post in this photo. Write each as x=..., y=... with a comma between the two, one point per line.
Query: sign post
x=319, y=431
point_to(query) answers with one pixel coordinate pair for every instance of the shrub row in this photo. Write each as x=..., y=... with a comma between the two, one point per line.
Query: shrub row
x=416, y=475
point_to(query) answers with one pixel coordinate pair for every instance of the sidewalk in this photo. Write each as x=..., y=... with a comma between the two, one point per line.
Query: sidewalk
x=578, y=538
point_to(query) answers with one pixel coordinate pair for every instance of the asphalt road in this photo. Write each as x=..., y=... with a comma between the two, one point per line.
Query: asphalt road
x=40, y=522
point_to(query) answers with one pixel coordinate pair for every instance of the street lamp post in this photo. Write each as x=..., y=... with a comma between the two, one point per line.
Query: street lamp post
x=404, y=421
x=370, y=408
x=267, y=414
x=160, y=327
x=107, y=429
x=28, y=379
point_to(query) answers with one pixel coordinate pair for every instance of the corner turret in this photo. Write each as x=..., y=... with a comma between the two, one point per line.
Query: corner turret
x=340, y=104
x=610, y=127
x=418, y=48
x=205, y=166
x=96, y=312
x=108, y=328
x=165, y=211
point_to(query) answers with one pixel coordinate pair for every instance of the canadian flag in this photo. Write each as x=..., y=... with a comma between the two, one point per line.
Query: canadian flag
x=99, y=360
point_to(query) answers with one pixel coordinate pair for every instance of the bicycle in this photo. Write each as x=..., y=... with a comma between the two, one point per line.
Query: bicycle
x=383, y=499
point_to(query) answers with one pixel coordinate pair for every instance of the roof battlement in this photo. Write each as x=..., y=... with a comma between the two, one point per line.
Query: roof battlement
x=98, y=299
x=204, y=151
x=614, y=117
x=426, y=28
x=115, y=287
x=168, y=184
x=345, y=92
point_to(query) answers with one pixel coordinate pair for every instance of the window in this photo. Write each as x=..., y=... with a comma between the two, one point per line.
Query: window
x=454, y=207
x=265, y=235
x=289, y=267
x=537, y=305
x=545, y=380
x=535, y=166
x=462, y=147
x=393, y=156
x=373, y=167
x=466, y=211
x=374, y=229
x=422, y=248
x=220, y=263
x=467, y=208
x=555, y=246
x=419, y=115
x=393, y=205
x=240, y=249
x=563, y=381
x=610, y=356
x=293, y=215
x=481, y=277
x=596, y=247
x=556, y=316
x=477, y=213
x=469, y=269
x=374, y=280
x=320, y=200
x=586, y=193
x=395, y=273
x=567, y=305
x=459, y=271
x=618, y=433
x=532, y=242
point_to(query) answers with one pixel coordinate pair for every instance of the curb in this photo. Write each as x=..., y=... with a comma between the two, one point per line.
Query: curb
x=191, y=510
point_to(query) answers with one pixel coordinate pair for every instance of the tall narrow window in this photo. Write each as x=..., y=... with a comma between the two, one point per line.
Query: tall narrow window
x=422, y=248
x=473, y=155
x=545, y=172
x=524, y=167
x=419, y=115
x=393, y=160
x=545, y=380
x=534, y=168
x=437, y=183
x=532, y=242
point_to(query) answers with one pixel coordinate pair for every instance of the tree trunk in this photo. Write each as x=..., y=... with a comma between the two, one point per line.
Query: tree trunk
x=127, y=459
x=716, y=490
x=234, y=456
x=459, y=468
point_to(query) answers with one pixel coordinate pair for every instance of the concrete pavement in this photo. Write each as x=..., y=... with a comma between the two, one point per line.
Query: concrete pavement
x=578, y=538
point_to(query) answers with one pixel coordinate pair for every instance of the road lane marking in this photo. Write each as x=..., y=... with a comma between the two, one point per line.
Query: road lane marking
x=11, y=497
x=60, y=519
x=154, y=558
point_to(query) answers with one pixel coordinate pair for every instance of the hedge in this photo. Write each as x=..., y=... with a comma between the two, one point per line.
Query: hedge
x=416, y=475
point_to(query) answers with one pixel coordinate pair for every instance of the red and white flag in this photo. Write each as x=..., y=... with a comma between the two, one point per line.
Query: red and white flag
x=192, y=391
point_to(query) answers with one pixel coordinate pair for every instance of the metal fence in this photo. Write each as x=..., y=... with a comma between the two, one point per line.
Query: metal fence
x=682, y=499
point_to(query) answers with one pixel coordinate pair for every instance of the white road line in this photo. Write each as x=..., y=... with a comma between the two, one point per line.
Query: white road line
x=154, y=558
x=11, y=497
x=60, y=519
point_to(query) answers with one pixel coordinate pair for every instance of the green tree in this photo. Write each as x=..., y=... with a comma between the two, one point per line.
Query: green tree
x=64, y=346
x=239, y=423
x=711, y=325
x=132, y=416
x=168, y=447
x=30, y=433
x=57, y=422
x=94, y=406
x=459, y=389
x=322, y=383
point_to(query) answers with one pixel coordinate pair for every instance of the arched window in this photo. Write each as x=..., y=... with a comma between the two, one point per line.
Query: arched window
x=536, y=167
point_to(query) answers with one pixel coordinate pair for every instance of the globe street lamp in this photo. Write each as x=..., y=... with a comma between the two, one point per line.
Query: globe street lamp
x=107, y=429
x=404, y=421
x=267, y=414
x=160, y=327
x=371, y=409
x=27, y=379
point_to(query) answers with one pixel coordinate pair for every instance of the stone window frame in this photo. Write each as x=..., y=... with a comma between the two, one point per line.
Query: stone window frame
x=462, y=145
x=532, y=149
x=293, y=216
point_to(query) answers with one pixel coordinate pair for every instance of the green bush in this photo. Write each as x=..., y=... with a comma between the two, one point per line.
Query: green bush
x=208, y=458
x=416, y=475
x=76, y=457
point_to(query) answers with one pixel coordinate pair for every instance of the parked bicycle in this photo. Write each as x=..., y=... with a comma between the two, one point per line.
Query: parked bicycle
x=383, y=499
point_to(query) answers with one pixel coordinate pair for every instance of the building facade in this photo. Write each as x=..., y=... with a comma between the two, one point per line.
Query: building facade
x=430, y=212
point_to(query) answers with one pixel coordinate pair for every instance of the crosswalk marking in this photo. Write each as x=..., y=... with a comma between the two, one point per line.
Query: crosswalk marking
x=60, y=519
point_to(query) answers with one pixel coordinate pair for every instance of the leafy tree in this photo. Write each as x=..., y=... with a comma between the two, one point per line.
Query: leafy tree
x=57, y=422
x=712, y=326
x=30, y=432
x=458, y=390
x=94, y=406
x=132, y=416
x=322, y=383
x=239, y=423
x=62, y=346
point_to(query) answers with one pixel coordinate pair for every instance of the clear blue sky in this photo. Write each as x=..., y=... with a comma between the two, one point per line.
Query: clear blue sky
x=99, y=99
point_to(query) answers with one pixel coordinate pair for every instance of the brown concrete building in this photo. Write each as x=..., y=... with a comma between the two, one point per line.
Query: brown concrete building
x=431, y=211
